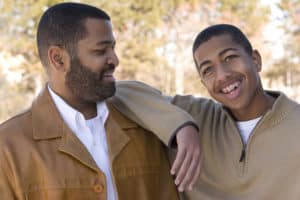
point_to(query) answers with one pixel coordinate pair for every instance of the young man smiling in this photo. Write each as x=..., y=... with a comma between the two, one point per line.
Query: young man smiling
x=249, y=139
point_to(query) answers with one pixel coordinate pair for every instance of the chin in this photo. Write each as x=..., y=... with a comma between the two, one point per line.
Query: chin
x=103, y=95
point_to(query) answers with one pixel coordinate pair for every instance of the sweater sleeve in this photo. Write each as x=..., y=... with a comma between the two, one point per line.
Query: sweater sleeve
x=154, y=112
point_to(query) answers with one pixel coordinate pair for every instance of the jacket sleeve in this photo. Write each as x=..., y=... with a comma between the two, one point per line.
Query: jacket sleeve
x=154, y=112
x=7, y=186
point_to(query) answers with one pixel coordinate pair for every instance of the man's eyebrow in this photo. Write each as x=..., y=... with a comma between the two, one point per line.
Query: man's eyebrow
x=105, y=42
x=228, y=49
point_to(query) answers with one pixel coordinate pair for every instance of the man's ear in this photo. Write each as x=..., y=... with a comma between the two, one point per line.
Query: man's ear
x=257, y=60
x=58, y=58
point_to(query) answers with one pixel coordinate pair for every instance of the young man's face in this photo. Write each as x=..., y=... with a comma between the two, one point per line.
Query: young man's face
x=229, y=73
x=90, y=76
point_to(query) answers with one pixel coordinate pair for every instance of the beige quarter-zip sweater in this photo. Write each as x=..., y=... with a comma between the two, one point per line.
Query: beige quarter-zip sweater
x=267, y=168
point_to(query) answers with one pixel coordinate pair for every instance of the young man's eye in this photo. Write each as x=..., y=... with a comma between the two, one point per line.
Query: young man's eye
x=207, y=71
x=230, y=57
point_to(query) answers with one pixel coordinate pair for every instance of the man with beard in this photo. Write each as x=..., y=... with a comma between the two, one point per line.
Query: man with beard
x=73, y=143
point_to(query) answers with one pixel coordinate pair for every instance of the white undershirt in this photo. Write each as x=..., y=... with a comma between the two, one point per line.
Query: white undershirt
x=91, y=133
x=246, y=128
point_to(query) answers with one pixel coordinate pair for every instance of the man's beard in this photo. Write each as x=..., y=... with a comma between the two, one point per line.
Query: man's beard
x=88, y=85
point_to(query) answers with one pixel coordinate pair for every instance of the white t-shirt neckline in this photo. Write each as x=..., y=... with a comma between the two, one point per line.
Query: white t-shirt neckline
x=246, y=128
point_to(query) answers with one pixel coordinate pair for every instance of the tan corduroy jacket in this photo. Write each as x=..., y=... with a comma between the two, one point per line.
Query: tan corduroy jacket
x=267, y=168
x=41, y=159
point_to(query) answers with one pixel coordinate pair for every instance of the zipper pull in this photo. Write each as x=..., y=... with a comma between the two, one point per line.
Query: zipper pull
x=243, y=155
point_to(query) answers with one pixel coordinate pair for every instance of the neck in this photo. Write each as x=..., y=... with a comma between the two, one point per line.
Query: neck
x=257, y=109
x=88, y=109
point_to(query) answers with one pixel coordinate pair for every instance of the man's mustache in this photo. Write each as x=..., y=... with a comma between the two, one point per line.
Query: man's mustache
x=108, y=67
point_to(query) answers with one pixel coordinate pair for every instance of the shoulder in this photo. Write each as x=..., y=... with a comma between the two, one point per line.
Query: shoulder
x=285, y=108
x=192, y=103
x=135, y=86
x=283, y=103
x=113, y=106
x=15, y=127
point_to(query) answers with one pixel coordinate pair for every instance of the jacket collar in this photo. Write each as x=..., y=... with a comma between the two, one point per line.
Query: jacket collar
x=46, y=120
x=115, y=126
x=48, y=124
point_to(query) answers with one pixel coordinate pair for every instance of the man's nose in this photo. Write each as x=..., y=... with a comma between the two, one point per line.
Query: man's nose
x=113, y=59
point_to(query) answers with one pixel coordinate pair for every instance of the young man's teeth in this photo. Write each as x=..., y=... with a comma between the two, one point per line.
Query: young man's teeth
x=230, y=87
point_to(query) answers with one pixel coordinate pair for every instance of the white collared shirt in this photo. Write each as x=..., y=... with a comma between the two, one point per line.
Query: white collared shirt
x=91, y=133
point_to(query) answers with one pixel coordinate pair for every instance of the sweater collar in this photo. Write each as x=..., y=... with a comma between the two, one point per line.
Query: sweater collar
x=280, y=109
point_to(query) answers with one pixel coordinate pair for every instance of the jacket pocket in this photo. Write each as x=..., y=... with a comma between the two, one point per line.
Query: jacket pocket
x=59, y=194
x=63, y=189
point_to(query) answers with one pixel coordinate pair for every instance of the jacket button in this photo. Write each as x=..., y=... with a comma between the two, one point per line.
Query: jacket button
x=98, y=188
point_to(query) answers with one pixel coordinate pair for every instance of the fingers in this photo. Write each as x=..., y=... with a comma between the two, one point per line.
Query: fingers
x=187, y=162
x=181, y=178
x=189, y=171
x=178, y=161
x=194, y=177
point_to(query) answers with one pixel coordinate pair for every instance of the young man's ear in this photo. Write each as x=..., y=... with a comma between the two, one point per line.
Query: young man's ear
x=257, y=60
x=58, y=58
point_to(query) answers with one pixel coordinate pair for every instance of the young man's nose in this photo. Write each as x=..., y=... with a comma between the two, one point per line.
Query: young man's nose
x=223, y=72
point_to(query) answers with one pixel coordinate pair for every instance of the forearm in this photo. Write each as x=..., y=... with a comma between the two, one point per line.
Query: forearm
x=154, y=112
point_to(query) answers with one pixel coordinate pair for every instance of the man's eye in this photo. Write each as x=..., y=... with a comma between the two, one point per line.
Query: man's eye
x=100, y=52
x=229, y=58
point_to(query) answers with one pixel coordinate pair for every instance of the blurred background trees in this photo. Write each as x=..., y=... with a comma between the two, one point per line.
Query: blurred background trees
x=154, y=39
x=285, y=72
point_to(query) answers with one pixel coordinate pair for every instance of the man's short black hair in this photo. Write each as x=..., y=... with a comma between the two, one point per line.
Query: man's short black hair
x=235, y=33
x=63, y=25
